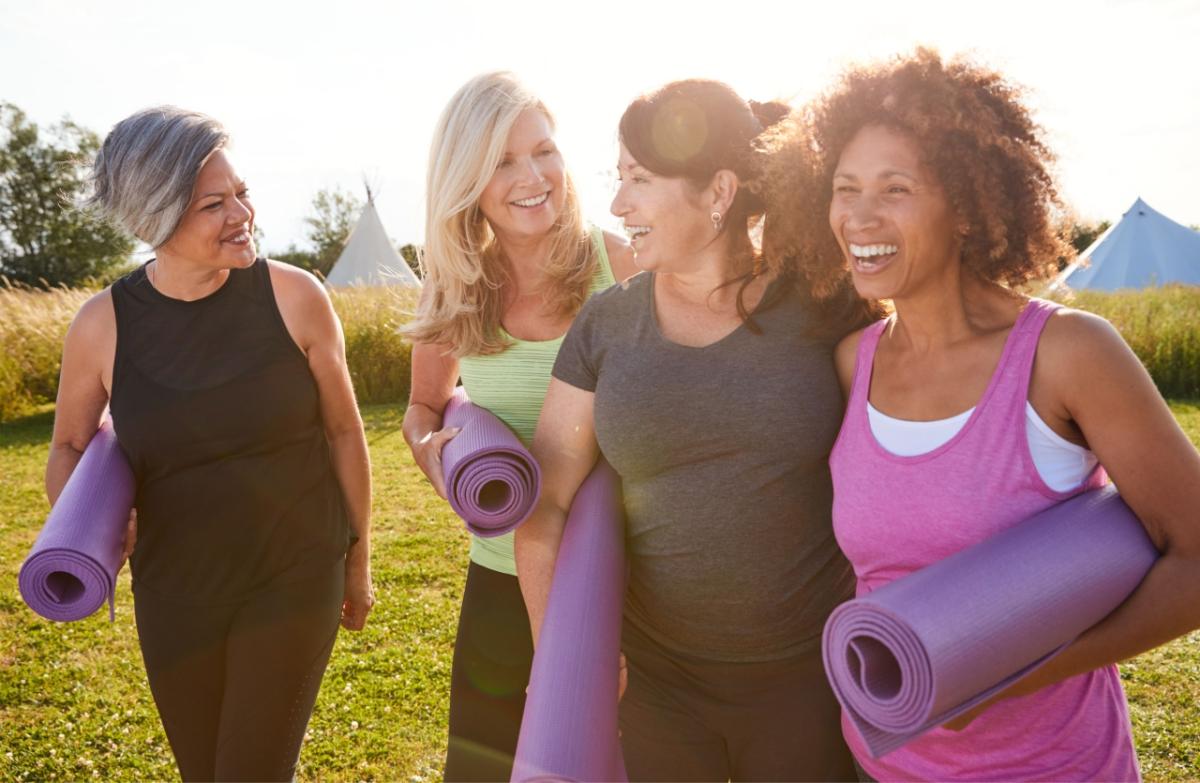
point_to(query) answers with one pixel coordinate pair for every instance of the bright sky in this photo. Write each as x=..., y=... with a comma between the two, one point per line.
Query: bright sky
x=321, y=94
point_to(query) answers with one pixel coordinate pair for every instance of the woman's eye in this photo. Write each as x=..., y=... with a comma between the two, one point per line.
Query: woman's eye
x=243, y=192
x=897, y=189
x=212, y=206
x=504, y=164
x=548, y=151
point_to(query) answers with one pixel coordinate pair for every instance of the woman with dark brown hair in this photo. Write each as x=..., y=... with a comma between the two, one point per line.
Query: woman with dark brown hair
x=974, y=406
x=707, y=382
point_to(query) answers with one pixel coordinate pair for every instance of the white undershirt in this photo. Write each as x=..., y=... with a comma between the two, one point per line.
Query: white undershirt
x=1061, y=464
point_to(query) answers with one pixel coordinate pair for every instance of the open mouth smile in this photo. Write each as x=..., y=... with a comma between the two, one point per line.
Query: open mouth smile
x=871, y=258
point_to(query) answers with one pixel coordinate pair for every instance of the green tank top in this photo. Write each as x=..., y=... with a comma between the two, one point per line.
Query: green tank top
x=512, y=385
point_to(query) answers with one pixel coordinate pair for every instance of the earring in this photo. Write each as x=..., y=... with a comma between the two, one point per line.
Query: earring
x=715, y=217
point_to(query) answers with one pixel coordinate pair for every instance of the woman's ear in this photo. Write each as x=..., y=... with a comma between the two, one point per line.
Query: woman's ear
x=724, y=187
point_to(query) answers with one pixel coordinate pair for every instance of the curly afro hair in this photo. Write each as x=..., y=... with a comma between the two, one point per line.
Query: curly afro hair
x=972, y=130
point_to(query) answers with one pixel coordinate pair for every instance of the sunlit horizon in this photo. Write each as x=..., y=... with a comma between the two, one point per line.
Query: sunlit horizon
x=323, y=99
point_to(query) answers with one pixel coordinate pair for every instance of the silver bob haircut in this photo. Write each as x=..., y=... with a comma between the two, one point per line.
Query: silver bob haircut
x=146, y=170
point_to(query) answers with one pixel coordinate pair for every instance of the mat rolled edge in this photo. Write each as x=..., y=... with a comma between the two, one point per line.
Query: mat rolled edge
x=487, y=452
x=81, y=541
x=1118, y=554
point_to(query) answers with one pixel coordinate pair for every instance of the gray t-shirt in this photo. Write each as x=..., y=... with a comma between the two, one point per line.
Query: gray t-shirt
x=723, y=455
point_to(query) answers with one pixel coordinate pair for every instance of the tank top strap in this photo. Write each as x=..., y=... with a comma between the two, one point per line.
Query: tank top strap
x=1016, y=365
x=864, y=363
x=603, y=276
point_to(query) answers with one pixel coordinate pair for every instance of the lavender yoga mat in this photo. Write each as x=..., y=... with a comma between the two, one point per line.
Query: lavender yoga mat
x=925, y=648
x=72, y=568
x=569, y=730
x=492, y=481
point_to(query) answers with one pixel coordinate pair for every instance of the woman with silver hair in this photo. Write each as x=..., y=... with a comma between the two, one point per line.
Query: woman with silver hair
x=226, y=379
x=508, y=260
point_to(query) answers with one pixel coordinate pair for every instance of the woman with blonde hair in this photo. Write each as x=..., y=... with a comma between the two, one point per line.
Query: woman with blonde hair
x=508, y=262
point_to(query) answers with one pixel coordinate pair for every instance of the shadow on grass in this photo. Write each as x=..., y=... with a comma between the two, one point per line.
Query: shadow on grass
x=31, y=430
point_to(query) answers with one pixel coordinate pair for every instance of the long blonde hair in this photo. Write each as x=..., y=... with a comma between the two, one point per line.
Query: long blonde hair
x=464, y=267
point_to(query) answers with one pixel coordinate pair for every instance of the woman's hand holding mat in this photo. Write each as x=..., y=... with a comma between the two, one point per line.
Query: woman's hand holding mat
x=941, y=641
x=491, y=479
x=72, y=567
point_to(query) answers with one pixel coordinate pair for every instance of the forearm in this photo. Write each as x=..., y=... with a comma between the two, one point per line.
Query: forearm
x=59, y=467
x=352, y=465
x=536, y=544
x=1165, y=605
x=419, y=421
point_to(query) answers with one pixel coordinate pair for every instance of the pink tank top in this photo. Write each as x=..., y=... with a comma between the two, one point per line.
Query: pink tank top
x=893, y=515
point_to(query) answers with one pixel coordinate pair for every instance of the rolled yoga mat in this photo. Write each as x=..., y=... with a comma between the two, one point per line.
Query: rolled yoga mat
x=72, y=568
x=492, y=481
x=569, y=730
x=931, y=645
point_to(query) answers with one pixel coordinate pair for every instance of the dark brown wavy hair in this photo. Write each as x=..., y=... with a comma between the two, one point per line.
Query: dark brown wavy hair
x=971, y=129
x=693, y=128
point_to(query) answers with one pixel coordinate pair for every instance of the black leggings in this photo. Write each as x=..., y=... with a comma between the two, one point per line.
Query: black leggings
x=684, y=718
x=492, y=657
x=235, y=685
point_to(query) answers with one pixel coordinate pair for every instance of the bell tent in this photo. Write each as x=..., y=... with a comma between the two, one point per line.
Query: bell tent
x=1144, y=249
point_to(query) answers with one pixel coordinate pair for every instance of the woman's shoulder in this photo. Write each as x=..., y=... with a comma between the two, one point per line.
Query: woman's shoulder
x=620, y=256
x=1076, y=341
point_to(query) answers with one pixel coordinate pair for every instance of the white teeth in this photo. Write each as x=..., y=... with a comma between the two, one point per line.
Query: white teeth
x=636, y=231
x=867, y=251
x=533, y=202
x=239, y=239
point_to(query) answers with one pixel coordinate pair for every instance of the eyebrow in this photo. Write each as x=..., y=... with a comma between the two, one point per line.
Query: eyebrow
x=882, y=175
x=240, y=186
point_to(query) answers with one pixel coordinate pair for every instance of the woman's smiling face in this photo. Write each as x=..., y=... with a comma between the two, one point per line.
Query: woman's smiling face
x=527, y=192
x=890, y=215
x=663, y=216
x=217, y=229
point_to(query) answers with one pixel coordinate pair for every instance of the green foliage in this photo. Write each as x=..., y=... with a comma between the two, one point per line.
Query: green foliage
x=1082, y=235
x=45, y=239
x=334, y=212
x=1161, y=325
x=412, y=256
x=74, y=702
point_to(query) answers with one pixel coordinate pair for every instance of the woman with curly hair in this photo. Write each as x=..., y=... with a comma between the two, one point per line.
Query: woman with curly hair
x=508, y=261
x=707, y=382
x=974, y=406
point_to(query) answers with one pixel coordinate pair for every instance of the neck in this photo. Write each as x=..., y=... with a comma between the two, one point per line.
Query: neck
x=700, y=278
x=179, y=278
x=527, y=259
x=943, y=312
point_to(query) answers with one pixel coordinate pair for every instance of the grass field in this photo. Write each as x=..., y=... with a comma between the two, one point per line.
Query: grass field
x=74, y=703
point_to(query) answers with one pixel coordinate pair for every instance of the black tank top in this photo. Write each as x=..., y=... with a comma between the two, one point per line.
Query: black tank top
x=215, y=407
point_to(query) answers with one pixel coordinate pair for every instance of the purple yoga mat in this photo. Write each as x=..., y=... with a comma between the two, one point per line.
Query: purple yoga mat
x=72, y=568
x=569, y=730
x=932, y=645
x=492, y=481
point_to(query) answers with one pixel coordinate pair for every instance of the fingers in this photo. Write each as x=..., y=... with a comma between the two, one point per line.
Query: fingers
x=432, y=444
x=130, y=536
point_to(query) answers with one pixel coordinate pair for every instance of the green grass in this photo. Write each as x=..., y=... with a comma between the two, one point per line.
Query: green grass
x=74, y=703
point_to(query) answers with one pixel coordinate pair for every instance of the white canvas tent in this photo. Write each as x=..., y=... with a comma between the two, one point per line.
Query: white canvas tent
x=369, y=257
x=1144, y=249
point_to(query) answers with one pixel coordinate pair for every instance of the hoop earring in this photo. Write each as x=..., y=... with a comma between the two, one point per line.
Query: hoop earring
x=715, y=217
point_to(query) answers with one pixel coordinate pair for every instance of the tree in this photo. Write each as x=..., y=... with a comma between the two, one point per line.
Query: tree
x=45, y=238
x=1082, y=235
x=411, y=254
x=334, y=214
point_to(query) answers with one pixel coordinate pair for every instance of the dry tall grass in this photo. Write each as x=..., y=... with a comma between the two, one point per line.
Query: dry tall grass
x=1162, y=325
x=33, y=325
